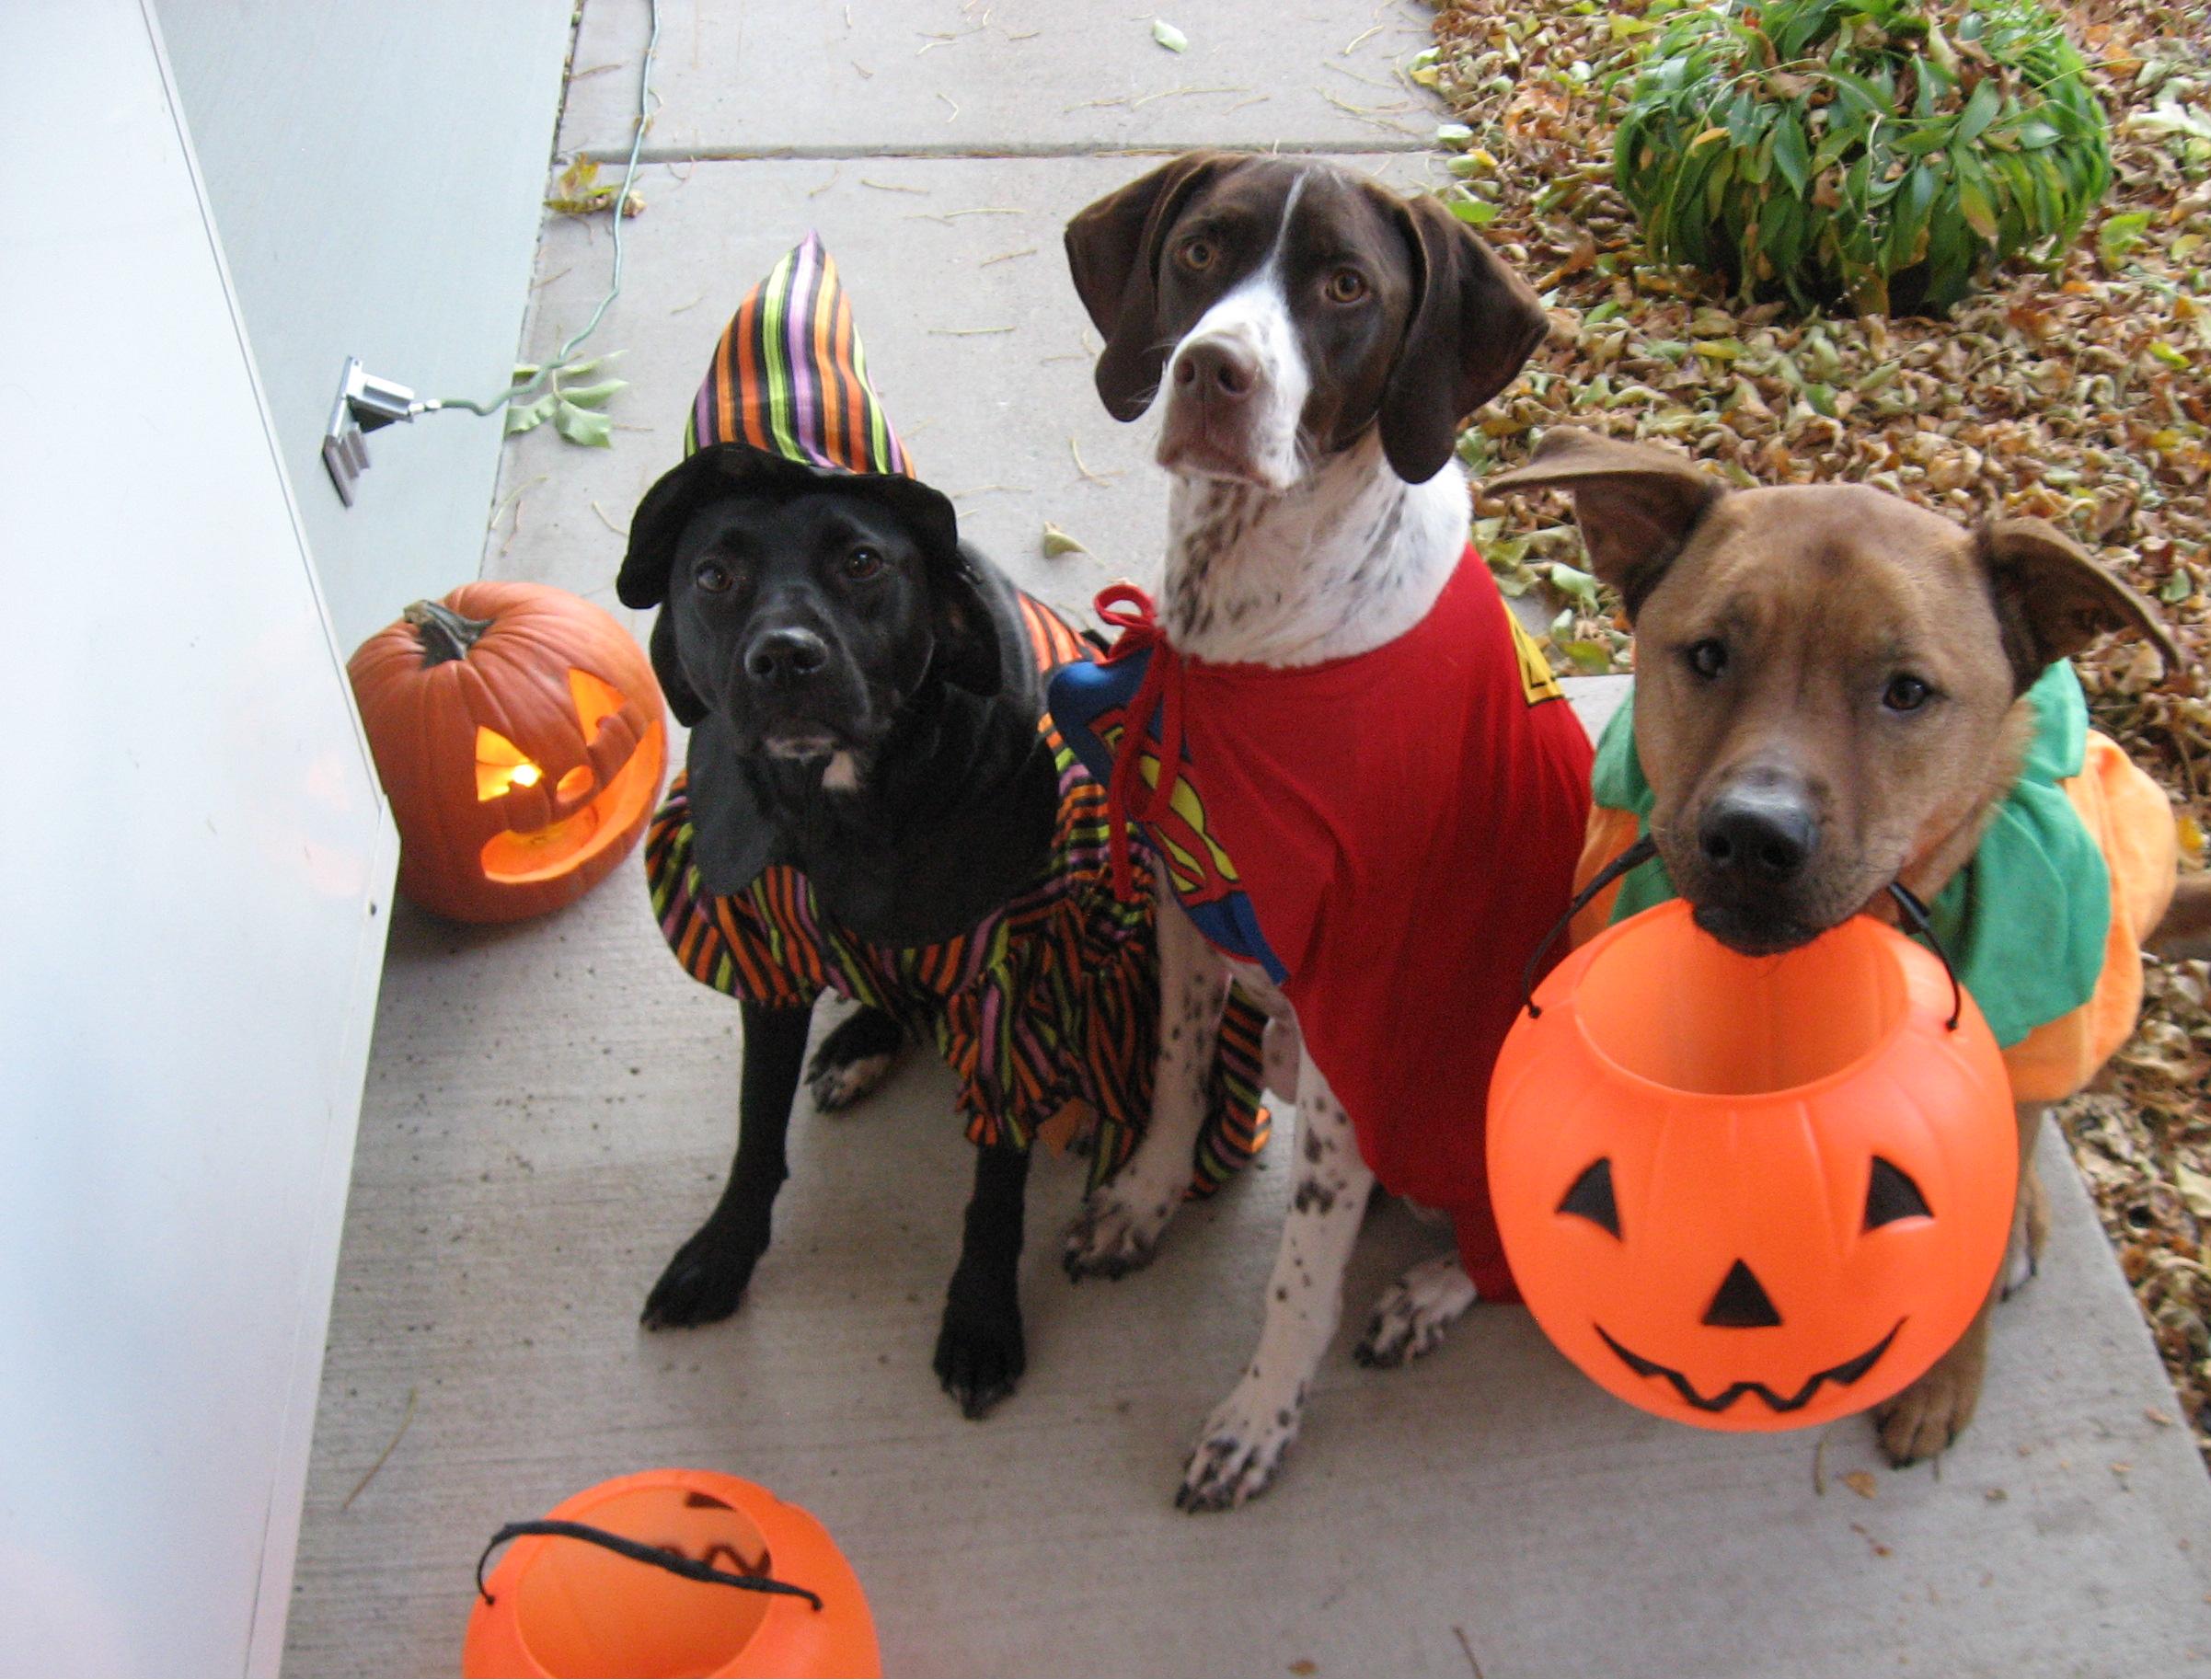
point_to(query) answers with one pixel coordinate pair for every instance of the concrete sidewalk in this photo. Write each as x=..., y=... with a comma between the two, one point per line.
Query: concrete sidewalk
x=550, y=1106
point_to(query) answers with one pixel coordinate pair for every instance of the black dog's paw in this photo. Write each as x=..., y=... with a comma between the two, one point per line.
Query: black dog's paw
x=980, y=1352
x=705, y=1280
x=856, y=1057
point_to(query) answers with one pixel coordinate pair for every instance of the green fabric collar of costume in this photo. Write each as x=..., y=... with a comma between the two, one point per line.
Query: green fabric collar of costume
x=2024, y=921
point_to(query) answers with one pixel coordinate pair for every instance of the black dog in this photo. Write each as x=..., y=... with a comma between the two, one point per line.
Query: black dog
x=864, y=707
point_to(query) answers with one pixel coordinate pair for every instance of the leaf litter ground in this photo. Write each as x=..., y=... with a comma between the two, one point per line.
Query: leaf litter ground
x=2081, y=395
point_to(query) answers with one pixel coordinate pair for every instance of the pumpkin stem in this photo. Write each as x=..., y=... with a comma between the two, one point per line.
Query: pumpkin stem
x=445, y=634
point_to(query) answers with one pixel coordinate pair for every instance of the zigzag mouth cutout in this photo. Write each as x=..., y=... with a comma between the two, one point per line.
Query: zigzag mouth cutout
x=1841, y=1376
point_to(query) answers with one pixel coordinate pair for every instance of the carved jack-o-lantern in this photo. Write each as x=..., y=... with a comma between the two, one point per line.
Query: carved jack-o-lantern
x=1752, y=1192
x=518, y=732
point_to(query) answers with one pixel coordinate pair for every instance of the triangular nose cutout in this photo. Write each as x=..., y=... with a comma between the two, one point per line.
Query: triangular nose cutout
x=1741, y=1304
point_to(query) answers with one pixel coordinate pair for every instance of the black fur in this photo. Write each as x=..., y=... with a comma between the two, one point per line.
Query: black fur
x=922, y=689
x=980, y=1352
x=929, y=687
x=707, y=1278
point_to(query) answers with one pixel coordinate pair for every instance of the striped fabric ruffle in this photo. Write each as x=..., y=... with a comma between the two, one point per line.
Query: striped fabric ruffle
x=1048, y=1008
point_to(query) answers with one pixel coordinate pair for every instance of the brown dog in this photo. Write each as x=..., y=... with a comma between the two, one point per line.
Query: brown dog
x=1831, y=696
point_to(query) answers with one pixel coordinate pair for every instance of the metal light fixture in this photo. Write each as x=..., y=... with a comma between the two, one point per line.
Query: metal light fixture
x=364, y=403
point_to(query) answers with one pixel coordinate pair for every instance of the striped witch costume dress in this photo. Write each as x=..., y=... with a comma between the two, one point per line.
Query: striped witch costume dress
x=1046, y=1011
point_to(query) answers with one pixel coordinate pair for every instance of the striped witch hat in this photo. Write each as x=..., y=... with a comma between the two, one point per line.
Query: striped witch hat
x=791, y=377
x=786, y=404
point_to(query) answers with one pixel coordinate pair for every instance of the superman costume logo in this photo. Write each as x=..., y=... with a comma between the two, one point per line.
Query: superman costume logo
x=1090, y=705
x=1359, y=804
x=1201, y=871
x=1536, y=682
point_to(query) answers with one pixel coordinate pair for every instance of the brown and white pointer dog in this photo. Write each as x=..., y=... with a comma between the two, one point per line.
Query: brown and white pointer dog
x=1829, y=687
x=1320, y=340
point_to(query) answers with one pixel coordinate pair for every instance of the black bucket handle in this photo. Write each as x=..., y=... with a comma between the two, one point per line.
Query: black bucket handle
x=1911, y=911
x=660, y=1557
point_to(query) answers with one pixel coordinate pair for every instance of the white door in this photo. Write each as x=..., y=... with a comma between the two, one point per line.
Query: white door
x=376, y=168
x=194, y=871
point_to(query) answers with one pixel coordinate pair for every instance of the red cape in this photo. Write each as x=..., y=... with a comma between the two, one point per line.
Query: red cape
x=1406, y=823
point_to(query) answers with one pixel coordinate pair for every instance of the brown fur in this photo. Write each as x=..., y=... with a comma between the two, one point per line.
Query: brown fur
x=1822, y=597
x=1823, y=594
x=1449, y=327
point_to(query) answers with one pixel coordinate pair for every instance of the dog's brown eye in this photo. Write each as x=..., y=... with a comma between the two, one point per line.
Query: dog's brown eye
x=1707, y=658
x=1197, y=255
x=862, y=564
x=1906, y=693
x=712, y=576
x=1346, y=286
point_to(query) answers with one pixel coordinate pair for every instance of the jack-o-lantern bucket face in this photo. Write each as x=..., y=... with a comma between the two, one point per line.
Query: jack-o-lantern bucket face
x=1751, y=1193
x=519, y=735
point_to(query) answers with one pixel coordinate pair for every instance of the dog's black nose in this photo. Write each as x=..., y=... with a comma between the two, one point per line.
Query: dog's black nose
x=1763, y=830
x=1217, y=367
x=784, y=656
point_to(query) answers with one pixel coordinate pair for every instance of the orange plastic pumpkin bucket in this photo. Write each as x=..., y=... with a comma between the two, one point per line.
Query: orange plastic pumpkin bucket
x=558, y=1605
x=1751, y=1193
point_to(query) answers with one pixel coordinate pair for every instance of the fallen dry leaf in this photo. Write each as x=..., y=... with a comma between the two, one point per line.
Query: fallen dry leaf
x=582, y=194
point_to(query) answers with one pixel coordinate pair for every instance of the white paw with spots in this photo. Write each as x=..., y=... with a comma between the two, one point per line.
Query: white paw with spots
x=1414, y=1312
x=1241, y=1446
x=1119, y=1227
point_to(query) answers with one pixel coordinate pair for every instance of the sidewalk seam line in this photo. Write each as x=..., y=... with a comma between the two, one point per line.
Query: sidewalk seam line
x=953, y=153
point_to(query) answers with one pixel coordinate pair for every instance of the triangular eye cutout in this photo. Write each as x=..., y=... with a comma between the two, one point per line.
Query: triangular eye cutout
x=1742, y=1303
x=1891, y=1195
x=595, y=702
x=500, y=764
x=1591, y=1197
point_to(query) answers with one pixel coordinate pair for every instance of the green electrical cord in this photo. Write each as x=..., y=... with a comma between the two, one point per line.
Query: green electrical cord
x=636, y=144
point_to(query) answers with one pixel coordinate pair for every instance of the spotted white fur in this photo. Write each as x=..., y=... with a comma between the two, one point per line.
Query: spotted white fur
x=1347, y=559
x=1119, y=1224
x=1414, y=1312
x=1306, y=558
x=1253, y=318
x=1280, y=1052
x=1241, y=1444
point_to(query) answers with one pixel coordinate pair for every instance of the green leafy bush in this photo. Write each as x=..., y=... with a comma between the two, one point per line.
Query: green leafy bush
x=1882, y=151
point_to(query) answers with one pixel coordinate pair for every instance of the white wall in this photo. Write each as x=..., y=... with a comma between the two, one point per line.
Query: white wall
x=197, y=866
x=376, y=168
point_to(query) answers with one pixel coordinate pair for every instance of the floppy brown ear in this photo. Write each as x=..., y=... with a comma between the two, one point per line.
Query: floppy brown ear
x=1635, y=505
x=1113, y=251
x=1472, y=327
x=2053, y=599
